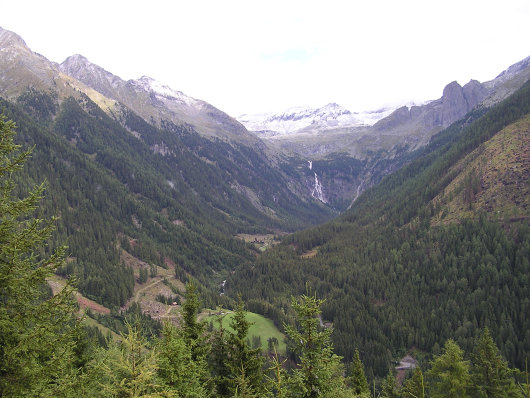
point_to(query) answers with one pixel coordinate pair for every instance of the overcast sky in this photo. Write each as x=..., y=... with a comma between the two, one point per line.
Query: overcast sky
x=259, y=56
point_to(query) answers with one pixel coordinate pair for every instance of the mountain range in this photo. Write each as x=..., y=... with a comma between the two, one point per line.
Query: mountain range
x=318, y=133
x=351, y=151
x=145, y=177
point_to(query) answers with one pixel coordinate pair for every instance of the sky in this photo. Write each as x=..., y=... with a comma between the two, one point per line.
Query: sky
x=247, y=56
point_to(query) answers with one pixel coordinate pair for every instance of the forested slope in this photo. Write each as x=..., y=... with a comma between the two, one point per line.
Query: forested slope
x=398, y=272
x=169, y=192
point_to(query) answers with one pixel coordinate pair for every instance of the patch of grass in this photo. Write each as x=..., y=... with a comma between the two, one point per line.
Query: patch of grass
x=261, y=326
x=103, y=329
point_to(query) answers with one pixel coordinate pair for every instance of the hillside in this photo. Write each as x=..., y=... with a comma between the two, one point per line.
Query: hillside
x=493, y=179
x=180, y=196
x=105, y=183
x=437, y=250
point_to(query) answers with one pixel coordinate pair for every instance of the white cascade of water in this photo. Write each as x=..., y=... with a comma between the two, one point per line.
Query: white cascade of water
x=317, y=190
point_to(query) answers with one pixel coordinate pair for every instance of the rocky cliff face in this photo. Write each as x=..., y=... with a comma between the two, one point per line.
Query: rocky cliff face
x=21, y=68
x=455, y=102
x=157, y=102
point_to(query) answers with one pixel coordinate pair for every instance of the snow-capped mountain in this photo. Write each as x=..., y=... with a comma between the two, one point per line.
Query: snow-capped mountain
x=157, y=102
x=151, y=85
x=294, y=120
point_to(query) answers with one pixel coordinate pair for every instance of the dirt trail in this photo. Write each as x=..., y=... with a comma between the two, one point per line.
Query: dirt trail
x=138, y=292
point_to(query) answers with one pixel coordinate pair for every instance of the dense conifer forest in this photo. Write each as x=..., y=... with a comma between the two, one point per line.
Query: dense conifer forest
x=419, y=265
x=46, y=350
x=394, y=277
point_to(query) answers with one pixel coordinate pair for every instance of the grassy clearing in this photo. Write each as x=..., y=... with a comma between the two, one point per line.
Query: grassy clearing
x=261, y=326
x=260, y=241
x=103, y=329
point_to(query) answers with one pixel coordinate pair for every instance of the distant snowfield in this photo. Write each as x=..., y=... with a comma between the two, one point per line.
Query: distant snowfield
x=294, y=120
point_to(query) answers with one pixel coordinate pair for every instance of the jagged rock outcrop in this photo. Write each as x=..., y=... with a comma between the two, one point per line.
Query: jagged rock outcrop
x=455, y=102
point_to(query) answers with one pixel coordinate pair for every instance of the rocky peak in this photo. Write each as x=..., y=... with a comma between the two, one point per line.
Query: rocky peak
x=91, y=74
x=474, y=93
x=12, y=44
x=151, y=85
x=9, y=39
x=458, y=100
x=454, y=104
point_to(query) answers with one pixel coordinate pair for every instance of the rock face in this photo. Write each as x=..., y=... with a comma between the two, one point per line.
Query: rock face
x=455, y=102
x=83, y=70
x=454, y=105
x=157, y=102
x=20, y=67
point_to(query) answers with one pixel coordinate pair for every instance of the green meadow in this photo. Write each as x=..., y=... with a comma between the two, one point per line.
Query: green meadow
x=260, y=326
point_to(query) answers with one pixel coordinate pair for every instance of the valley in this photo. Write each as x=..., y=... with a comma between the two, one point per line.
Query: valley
x=393, y=232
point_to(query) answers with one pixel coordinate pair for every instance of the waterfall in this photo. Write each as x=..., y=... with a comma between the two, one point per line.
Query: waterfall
x=317, y=190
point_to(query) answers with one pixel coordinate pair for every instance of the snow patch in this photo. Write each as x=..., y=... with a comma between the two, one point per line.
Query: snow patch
x=295, y=119
x=154, y=86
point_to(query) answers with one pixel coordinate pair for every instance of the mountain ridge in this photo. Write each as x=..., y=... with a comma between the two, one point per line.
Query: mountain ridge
x=157, y=103
x=437, y=250
x=412, y=124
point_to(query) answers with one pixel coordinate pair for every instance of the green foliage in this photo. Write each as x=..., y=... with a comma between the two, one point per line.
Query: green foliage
x=177, y=369
x=193, y=329
x=389, y=388
x=449, y=374
x=37, y=330
x=319, y=372
x=490, y=374
x=244, y=362
x=126, y=369
x=415, y=386
x=357, y=377
x=217, y=361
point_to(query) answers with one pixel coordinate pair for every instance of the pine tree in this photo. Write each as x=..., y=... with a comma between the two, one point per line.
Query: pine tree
x=449, y=373
x=490, y=374
x=319, y=372
x=357, y=377
x=415, y=386
x=244, y=361
x=176, y=368
x=389, y=388
x=126, y=369
x=37, y=329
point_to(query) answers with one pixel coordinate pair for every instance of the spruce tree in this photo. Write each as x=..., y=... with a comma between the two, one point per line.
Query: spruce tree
x=245, y=363
x=389, y=387
x=320, y=371
x=490, y=374
x=357, y=377
x=217, y=361
x=128, y=368
x=37, y=329
x=176, y=368
x=414, y=387
x=449, y=373
x=192, y=329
